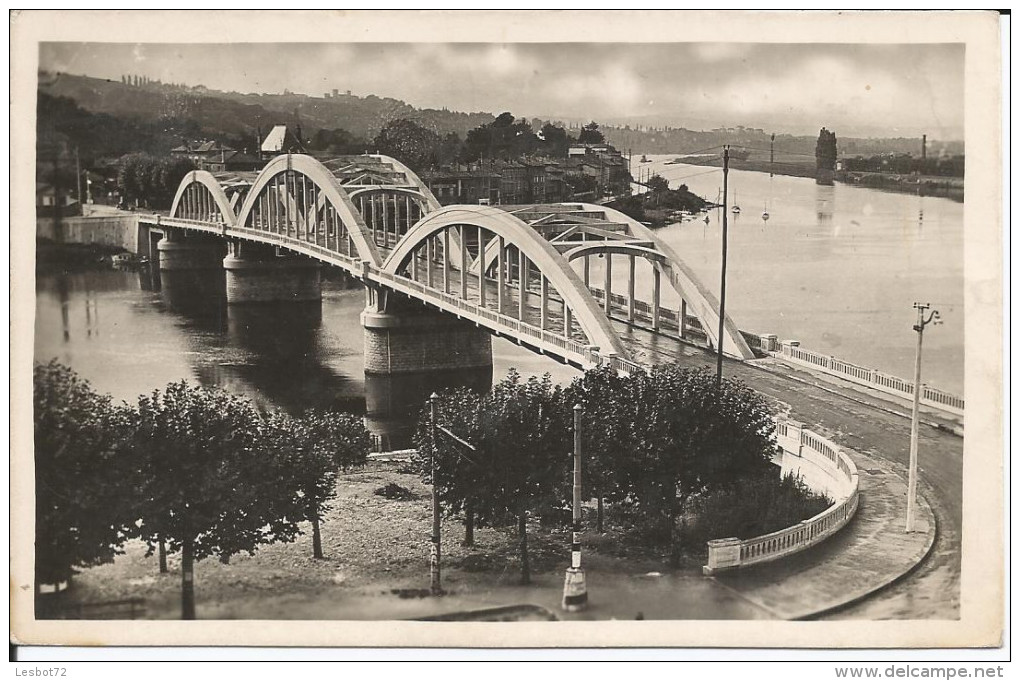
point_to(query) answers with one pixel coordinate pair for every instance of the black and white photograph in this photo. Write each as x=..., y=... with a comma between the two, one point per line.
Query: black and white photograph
x=439, y=328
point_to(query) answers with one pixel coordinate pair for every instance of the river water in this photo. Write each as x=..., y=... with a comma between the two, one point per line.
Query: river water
x=129, y=333
x=835, y=267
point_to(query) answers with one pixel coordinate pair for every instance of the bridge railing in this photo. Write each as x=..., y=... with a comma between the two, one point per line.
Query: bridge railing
x=571, y=348
x=767, y=344
x=930, y=396
x=814, y=450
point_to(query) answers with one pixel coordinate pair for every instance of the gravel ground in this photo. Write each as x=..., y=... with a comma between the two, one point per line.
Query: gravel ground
x=375, y=548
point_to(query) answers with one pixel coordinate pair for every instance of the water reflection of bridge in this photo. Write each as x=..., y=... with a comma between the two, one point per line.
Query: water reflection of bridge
x=522, y=272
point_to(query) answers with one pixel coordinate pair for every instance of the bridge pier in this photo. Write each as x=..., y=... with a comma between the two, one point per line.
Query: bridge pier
x=403, y=337
x=178, y=252
x=255, y=274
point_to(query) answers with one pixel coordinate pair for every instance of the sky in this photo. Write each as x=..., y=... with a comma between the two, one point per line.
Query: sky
x=856, y=89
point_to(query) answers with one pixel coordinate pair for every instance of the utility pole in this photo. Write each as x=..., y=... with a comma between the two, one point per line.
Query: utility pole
x=575, y=591
x=772, y=153
x=434, y=575
x=722, y=284
x=914, y=416
x=77, y=172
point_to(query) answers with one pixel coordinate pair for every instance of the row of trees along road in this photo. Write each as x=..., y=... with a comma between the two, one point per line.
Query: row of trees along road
x=187, y=469
x=653, y=442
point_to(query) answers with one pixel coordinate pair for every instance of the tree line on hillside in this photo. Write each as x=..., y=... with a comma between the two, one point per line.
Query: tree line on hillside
x=186, y=469
x=506, y=138
x=659, y=447
x=156, y=118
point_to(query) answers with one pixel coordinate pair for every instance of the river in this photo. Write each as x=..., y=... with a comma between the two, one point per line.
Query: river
x=837, y=268
x=129, y=333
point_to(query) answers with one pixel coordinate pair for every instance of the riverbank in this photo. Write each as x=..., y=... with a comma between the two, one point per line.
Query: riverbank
x=944, y=187
x=51, y=257
x=660, y=207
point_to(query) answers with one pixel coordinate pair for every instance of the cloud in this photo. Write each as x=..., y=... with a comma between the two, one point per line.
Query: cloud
x=804, y=84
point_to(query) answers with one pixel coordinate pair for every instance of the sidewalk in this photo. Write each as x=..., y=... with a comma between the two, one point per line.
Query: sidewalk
x=871, y=552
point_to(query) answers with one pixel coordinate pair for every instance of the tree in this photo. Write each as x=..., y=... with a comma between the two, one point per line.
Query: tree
x=459, y=477
x=825, y=150
x=590, y=134
x=315, y=448
x=692, y=437
x=408, y=142
x=82, y=514
x=337, y=141
x=521, y=438
x=555, y=140
x=504, y=138
x=151, y=180
x=209, y=483
x=609, y=431
x=524, y=447
x=657, y=183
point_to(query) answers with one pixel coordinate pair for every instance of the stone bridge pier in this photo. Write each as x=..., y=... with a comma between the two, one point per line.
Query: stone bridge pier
x=180, y=252
x=256, y=274
x=404, y=337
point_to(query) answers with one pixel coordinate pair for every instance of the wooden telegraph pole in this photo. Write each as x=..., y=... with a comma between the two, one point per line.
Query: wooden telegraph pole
x=915, y=413
x=434, y=575
x=722, y=285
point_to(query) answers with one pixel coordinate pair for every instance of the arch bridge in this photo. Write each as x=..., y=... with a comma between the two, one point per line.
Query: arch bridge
x=560, y=279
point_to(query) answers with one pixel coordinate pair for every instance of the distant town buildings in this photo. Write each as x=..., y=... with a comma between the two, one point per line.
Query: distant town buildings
x=589, y=172
x=282, y=140
x=46, y=202
x=216, y=157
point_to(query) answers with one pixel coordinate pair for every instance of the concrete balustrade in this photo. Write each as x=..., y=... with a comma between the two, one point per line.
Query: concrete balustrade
x=825, y=469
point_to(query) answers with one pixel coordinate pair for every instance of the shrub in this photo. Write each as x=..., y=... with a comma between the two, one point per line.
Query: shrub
x=752, y=507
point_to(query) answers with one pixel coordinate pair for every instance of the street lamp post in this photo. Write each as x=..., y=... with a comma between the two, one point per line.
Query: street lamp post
x=575, y=590
x=915, y=414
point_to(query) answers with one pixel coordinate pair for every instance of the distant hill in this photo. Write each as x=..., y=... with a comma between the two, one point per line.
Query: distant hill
x=668, y=140
x=160, y=116
x=236, y=114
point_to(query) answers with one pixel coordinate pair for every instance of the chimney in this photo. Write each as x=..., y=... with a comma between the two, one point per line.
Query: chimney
x=924, y=147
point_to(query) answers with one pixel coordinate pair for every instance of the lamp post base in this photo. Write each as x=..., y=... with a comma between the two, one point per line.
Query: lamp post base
x=575, y=591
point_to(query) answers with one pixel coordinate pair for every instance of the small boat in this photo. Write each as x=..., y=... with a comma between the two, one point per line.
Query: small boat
x=736, y=207
x=128, y=261
x=706, y=219
x=765, y=214
x=644, y=159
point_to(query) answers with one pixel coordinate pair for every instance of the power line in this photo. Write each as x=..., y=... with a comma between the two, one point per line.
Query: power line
x=706, y=172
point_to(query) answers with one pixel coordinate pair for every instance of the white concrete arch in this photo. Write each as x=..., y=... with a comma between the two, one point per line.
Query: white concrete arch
x=699, y=299
x=390, y=189
x=328, y=186
x=614, y=248
x=585, y=309
x=431, y=200
x=207, y=180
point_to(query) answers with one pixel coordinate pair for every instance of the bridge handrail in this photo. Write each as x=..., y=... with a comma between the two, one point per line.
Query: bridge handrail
x=732, y=552
x=930, y=396
x=792, y=351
